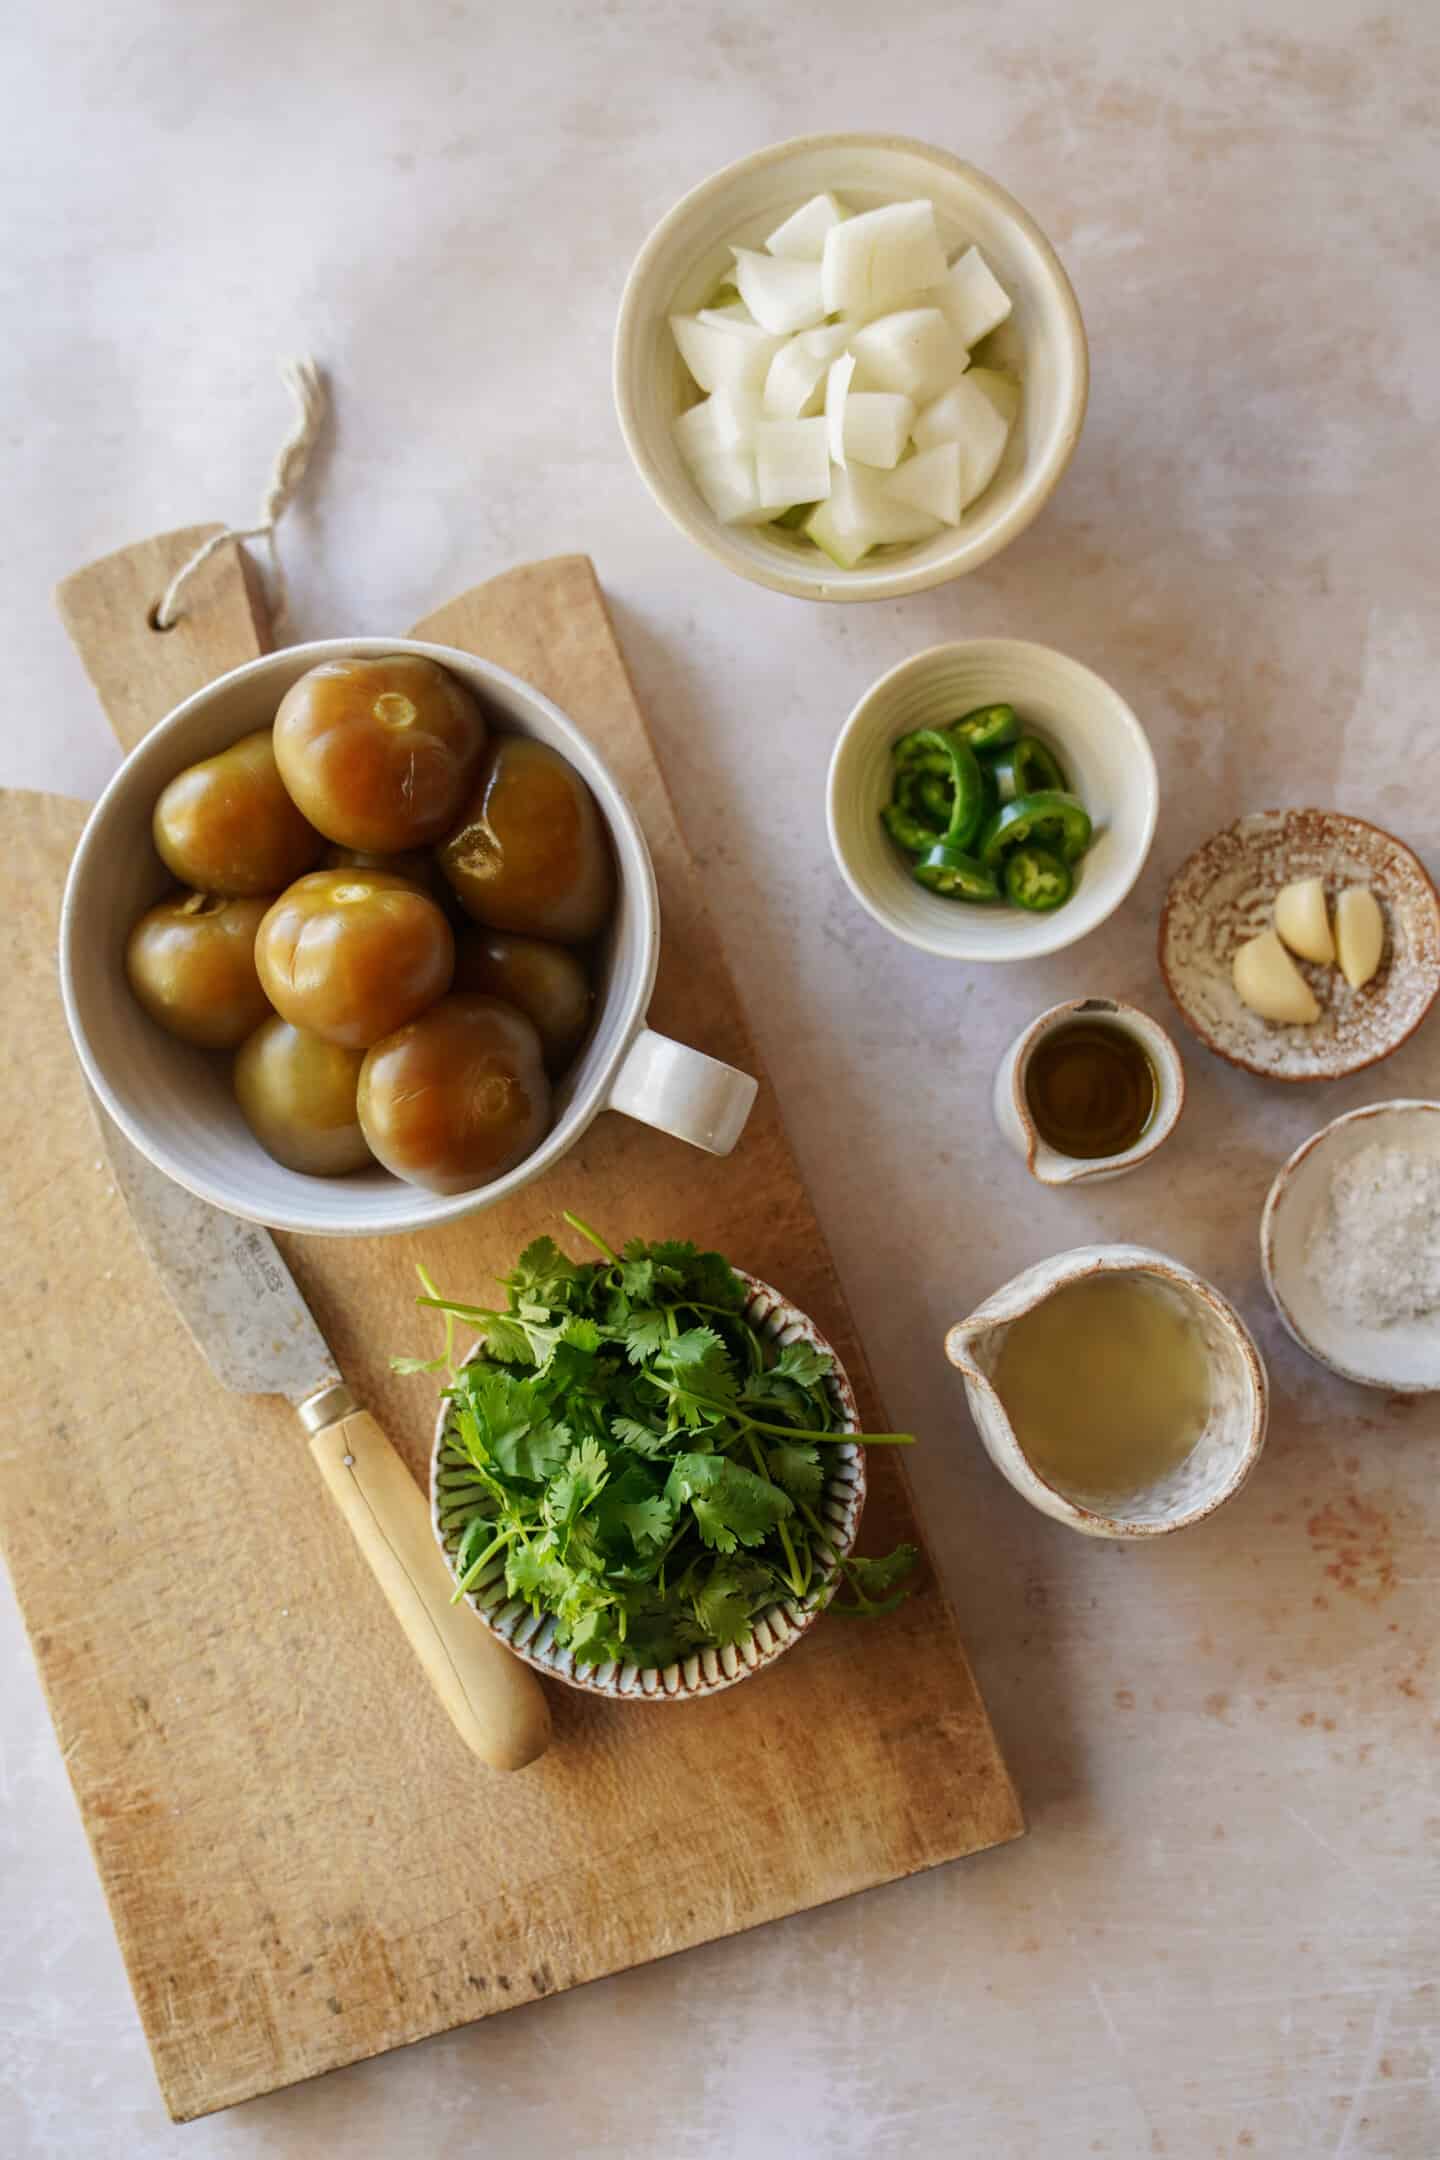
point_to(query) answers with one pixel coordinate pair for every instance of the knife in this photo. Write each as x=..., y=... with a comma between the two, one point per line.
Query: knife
x=239, y=1302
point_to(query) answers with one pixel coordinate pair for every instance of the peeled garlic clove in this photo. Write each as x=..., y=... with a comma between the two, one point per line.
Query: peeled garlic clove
x=1303, y=920
x=1360, y=934
x=1268, y=981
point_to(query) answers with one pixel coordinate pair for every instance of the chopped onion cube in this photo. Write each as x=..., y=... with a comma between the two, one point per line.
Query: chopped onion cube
x=1002, y=390
x=782, y=296
x=837, y=391
x=723, y=421
x=860, y=515
x=879, y=256
x=929, y=481
x=792, y=461
x=802, y=237
x=698, y=433
x=967, y=414
x=723, y=354
x=731, y=487
x=894, y=304
x=877, y=426
x=973, y=298
x=913, y=353
x=728, y=485
x=795, y=384
x=808, y=422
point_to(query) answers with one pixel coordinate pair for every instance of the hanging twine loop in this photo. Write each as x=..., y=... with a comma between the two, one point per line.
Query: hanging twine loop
x=302, y=378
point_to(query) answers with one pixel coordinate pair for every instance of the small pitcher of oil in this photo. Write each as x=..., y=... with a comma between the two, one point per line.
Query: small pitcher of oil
x=1089, y=1090
x=1116, y=1390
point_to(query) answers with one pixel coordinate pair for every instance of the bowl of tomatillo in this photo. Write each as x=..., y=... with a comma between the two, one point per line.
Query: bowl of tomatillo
x=361, y=937
x=991, y=800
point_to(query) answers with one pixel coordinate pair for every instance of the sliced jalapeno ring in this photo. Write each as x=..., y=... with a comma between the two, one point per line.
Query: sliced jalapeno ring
x=936, y=798
x=922, y=750
x=1048, y=819
x=907, y=796
x=1036, y=880
x=967, y=804
x=908, y=832
x=1027, y=768
x=953, y=874
x=988, y=727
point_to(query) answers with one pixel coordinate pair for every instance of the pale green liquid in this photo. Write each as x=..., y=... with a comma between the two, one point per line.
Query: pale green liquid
x=1106, y=1386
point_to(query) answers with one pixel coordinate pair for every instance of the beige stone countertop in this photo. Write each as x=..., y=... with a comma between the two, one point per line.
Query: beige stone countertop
x=1221, y=1935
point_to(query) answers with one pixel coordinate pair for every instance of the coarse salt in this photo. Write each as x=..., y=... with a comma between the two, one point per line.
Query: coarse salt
x=1373, y=1253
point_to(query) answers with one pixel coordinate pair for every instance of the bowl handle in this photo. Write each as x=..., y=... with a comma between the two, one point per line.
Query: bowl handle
x=681, y=1091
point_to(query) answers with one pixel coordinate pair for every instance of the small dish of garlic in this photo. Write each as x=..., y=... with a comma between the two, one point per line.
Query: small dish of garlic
x=1267, y=979
x=1302, y=944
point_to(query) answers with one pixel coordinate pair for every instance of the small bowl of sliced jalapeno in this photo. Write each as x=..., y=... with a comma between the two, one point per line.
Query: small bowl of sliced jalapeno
x=991, y=800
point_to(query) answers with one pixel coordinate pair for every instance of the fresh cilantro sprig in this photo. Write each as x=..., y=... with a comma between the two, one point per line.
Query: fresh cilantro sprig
x=636, y=1459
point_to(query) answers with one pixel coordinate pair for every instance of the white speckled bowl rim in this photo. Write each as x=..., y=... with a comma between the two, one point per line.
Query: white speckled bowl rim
x=777, y=1629
x=1278, y=1197
x=652, y=291
x=1349, y=1038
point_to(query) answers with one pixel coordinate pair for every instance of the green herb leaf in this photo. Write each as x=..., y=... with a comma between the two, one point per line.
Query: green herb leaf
x=544, y=1273
x=798, y=1469
x=637, y=1279
x=515, y=1432
x=729, y=1503
x=578, y=1484
x=648, y=1521
x=725, y=1606
x=643, y=1334
x=508, y=1341
x=630, y=1433
x=802, y=1363
x=601, y=1445
x=871, y=1579
x=700, y=1366
x=478, y=1533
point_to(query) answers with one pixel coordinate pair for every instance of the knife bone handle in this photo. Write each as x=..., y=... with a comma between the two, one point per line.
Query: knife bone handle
x=494, y=1701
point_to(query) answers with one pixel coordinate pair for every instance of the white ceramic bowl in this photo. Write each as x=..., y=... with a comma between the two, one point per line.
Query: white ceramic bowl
x=1403, y=1359
x=175, y=1103
x=777, y=1629
x=1099, y=741
x=684, y=259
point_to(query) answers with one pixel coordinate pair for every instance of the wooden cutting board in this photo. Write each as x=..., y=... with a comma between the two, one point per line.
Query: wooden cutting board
x=303, y=1865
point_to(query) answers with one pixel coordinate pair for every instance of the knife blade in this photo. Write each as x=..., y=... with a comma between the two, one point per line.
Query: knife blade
x=241, y=1306
x=227, y=1281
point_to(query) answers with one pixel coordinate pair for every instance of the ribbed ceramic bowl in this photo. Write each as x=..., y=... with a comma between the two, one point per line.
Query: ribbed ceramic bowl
x=1404, y=1358
x=1099, y=741
x=1043, y=343
x=777, y=1629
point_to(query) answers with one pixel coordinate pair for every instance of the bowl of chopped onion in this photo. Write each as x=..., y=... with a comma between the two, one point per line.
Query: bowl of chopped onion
x=850, y=367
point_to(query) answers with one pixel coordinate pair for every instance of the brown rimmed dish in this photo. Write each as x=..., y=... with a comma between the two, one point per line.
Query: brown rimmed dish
x=1226, y=893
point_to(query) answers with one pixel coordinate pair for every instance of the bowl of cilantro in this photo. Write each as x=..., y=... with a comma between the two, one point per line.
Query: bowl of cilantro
x=648, y=1471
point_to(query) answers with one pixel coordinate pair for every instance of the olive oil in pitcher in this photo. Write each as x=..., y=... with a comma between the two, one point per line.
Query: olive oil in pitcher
x=1091, y=1089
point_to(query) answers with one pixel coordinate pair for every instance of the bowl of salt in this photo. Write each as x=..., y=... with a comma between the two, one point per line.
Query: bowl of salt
x=1350, y=1245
